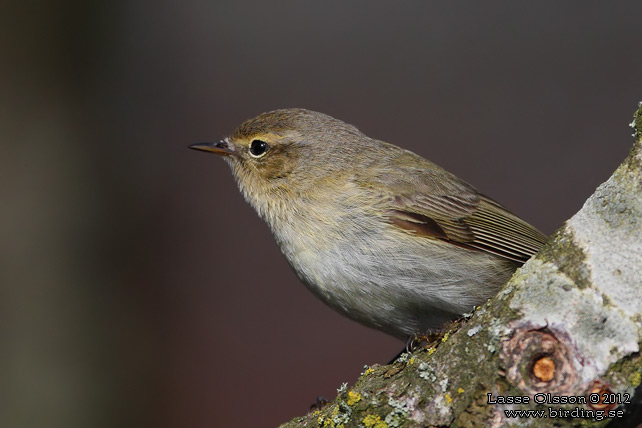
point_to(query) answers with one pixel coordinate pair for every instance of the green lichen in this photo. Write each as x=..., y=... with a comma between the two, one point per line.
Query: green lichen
x=490, y=347
x=632, y=365
x=394, y=420
x=444, y=384
x=399, y=413
x=403, y=358
x=399, y=406
x=341, y=414
x=568, y=257
x=636, y=125
x=473, y=331
x=426, y=372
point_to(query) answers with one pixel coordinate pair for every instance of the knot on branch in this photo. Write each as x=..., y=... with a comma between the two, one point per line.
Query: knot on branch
x=598, y=396
x=536, y=361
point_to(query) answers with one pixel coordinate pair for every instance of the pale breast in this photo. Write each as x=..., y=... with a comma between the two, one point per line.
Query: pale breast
x=385, y=278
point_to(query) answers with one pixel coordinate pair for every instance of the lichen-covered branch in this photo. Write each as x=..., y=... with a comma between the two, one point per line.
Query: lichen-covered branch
x=561, y=340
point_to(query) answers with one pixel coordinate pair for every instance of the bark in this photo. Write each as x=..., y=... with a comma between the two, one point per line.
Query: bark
x=566, y=327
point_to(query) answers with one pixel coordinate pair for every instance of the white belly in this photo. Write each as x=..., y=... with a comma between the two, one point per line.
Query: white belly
x=402, y=285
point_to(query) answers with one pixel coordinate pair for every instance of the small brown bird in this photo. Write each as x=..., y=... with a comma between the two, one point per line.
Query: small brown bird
x=377, y=232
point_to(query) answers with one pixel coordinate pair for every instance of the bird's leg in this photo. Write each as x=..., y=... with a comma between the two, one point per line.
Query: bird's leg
x=413, y=343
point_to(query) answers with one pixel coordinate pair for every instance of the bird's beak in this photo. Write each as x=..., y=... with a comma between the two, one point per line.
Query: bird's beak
x=221, y=148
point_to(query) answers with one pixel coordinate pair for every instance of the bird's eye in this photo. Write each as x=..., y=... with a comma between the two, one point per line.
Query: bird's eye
x=258, y=148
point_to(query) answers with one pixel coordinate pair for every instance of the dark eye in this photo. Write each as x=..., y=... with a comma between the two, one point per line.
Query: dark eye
x=258, y=148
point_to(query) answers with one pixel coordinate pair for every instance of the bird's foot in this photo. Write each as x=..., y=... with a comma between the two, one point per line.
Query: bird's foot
x=417, y=341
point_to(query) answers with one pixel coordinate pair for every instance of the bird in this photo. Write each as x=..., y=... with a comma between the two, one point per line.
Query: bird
x=377, y=232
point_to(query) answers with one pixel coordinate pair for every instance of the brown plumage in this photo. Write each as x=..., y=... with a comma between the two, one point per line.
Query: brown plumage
x=379, y=233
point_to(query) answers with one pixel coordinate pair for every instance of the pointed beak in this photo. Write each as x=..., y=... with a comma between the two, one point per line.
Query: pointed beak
x=220, y=148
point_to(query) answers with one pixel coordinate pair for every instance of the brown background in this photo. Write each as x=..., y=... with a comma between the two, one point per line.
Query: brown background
x=138, y=288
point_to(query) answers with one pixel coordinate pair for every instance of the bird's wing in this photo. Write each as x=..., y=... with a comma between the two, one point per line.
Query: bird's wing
x=428, y=201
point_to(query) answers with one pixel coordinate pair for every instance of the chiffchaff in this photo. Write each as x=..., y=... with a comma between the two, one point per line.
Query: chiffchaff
x=379, y=233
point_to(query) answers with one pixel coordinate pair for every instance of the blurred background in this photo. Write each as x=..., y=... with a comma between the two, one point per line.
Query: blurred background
x=137, y=287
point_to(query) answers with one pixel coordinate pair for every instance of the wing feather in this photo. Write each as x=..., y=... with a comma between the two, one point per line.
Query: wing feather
x=428, y=201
